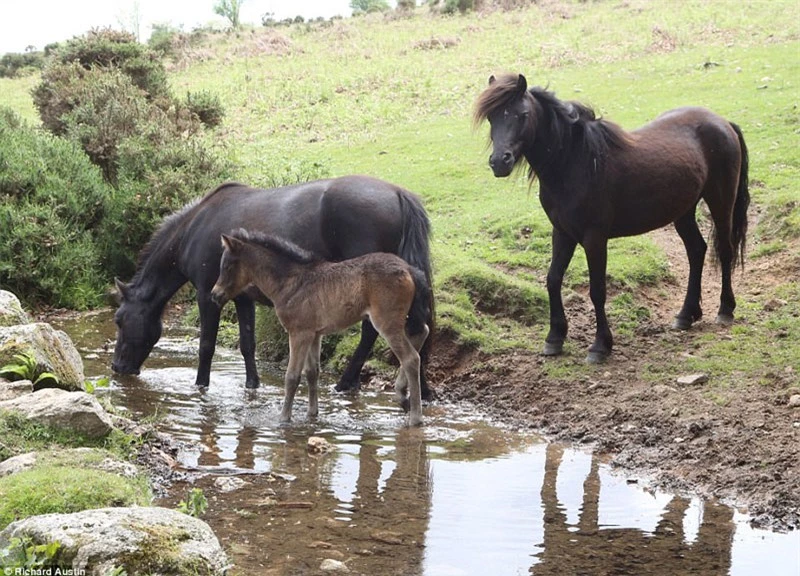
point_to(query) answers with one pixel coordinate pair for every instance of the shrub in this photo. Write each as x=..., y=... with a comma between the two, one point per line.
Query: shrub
x=13, y=65
x=206, y=106
x=51, y=200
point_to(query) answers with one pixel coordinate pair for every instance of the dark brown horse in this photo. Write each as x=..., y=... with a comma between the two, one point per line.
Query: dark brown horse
x=313, y=297
x=597, y=181
x=338, y=218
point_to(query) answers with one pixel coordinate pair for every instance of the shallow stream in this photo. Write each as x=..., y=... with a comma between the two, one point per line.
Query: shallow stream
x=461, y=496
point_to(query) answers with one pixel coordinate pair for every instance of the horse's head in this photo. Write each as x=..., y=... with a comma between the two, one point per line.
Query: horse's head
x=511, y=113
x=139, y=327
x=232, y=277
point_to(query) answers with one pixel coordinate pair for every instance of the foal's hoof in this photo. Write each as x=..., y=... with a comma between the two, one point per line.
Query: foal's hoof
x=552, y=349
x=596, y=357
x=681, y=323
x=724, y=319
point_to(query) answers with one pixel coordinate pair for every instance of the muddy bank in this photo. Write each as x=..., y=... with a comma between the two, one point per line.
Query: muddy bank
x=732, y=437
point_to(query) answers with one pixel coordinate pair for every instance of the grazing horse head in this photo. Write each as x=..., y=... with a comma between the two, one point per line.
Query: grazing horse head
x=139, y=327
x=511, y=112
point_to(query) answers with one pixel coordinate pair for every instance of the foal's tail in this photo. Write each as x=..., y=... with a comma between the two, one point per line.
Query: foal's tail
x=415, y=249
x=420, y=312
x=739, y=230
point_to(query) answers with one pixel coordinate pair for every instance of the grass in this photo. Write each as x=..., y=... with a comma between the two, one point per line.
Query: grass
x=393, y=98
x=65, y=487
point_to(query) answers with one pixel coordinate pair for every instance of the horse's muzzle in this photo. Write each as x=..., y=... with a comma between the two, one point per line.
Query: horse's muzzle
x=502, y=165
x=218, y=297
x=119, y=369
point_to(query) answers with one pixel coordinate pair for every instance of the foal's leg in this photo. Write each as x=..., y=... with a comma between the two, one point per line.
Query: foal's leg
x=299, y=345
x=350, y=380
x=410, y=365
x=687, y=229
x=595, y=244
x=401, y=383
x=209, y=326
x=312, y=376
x=246, y=314
x=563, y=249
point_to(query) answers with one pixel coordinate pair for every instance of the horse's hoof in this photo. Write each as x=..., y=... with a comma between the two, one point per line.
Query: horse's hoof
x=681, y=323
x=414, y=422
x=251, y=384
x=348, y=387
x=724, y=319
x=596, y=357
x=552, y=349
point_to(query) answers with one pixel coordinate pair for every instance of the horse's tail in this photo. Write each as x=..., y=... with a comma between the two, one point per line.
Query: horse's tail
x=415, y=249
x=739, y=230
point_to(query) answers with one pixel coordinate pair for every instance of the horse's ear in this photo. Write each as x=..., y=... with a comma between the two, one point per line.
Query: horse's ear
x=492, y=79
x=522, y=84
x=122, y=290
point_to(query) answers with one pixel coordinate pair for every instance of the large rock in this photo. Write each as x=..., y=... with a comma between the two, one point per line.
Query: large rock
x=52, y=349
x=77, y=411
x=11, y=312
x=140, y=540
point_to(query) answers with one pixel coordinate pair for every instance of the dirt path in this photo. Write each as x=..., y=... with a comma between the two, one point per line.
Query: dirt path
x=743, y=448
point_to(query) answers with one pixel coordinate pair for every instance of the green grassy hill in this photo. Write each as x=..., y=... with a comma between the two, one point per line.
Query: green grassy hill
x=392, y=97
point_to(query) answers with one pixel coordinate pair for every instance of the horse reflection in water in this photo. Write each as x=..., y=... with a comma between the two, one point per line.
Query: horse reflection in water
x=313, y=297
x=596, y=549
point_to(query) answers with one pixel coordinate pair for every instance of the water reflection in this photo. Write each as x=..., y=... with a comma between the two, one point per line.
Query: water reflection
x=460, y=496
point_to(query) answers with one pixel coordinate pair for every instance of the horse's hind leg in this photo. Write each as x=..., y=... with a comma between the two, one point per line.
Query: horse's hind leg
x=695, y=245
x=563, y=249
x=312, y=376
x=721, y=209
x=246, y=314
x=299, y=345
x=350, y=378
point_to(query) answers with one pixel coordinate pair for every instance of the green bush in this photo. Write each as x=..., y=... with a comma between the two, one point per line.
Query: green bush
x=13, y=64
x=51, y=201
x=206, y=106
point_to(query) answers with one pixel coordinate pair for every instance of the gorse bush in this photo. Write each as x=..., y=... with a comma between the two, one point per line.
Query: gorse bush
x=51, y=200
x=109, y=94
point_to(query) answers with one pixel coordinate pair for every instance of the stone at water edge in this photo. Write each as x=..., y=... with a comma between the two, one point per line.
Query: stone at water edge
x=76, y=411
x=229, y=483
x=11, y=311
x=52, y=349
x=331, y=565
x=99, y=540
x=794, y=401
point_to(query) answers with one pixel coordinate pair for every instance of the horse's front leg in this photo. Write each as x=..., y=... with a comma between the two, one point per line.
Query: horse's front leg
x=350, y=380
x=246, y=314
x=596, y=244
x=563, y=249
x=209, y=326
x=299, y=345
x=312, y=376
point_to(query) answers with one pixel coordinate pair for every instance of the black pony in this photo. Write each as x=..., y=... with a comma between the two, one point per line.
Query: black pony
x=597, y=181
x=337, y=219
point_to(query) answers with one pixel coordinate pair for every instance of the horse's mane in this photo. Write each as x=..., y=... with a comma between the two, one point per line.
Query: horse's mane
x=170, y=225
x=571, y=126
x=281, y=246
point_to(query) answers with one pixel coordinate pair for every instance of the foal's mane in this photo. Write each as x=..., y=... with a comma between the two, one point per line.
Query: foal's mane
x=281, y=246
x=574, y=132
